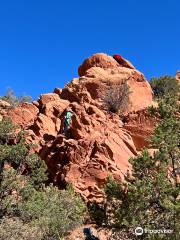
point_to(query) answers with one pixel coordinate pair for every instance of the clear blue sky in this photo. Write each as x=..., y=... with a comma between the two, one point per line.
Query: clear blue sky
x=42, y=42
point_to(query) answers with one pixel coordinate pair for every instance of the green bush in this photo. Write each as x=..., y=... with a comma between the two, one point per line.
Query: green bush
x=151, y=199
x=164, y=85
x=34, y=210
x=36, y=170
x=53, y=211
x=13, y=154
x=7, y=130
x=16, y=229
x=18, y=156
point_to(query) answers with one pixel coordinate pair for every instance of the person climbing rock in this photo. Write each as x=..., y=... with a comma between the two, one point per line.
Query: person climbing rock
x=89, y=235
x=122, y=61
x=67, y=120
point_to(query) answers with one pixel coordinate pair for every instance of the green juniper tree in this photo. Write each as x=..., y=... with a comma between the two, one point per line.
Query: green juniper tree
x=33, y=209
x=151, y=199
x=163, y=86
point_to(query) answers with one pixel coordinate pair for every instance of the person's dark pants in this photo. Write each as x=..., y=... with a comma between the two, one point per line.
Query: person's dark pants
x=66, y=127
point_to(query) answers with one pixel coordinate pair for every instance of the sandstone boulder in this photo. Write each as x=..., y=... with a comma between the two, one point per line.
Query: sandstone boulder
x=100, y=72
x=48, y=97
x=58, y=91
x=45, y=125
x=97, y=60
x=24, y=115
x=55, y=108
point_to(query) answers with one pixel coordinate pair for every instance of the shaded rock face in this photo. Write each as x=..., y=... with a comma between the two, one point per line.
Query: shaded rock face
x=140, y=125
x=98, y=143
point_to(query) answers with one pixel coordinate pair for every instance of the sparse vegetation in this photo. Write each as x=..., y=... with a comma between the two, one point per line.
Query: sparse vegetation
x=14, y=100
x=116, y=97
x=54, y=212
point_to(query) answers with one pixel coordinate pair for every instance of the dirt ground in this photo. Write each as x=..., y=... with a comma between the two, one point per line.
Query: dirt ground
x=101, y=233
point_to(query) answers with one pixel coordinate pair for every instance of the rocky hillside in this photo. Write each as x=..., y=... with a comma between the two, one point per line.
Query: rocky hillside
x=100, y=142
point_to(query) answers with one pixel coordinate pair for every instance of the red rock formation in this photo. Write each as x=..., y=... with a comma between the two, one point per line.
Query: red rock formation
x=99, y=72
x=24, y=115
x=99, y=144
x=97, y=60
x=98, y=147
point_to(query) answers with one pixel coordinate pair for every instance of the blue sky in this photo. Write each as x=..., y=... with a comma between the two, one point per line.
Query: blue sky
x=42, y=42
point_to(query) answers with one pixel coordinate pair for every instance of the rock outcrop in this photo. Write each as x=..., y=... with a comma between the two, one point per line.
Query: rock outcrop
x=140, y=125
x=24, y=115
x=99, y=143
x=99, y=72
